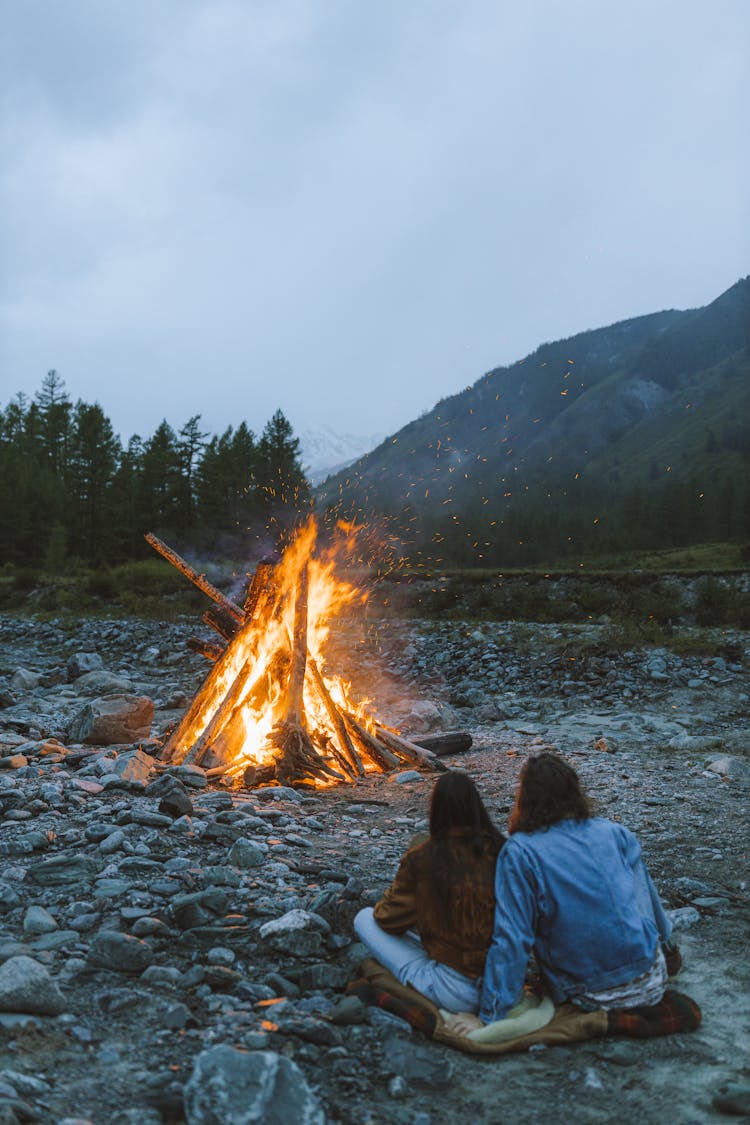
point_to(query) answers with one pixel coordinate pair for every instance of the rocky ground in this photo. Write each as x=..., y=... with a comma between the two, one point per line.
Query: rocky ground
x=172, y=951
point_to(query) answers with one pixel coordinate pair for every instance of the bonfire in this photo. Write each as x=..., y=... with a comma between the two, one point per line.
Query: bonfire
x=269, y=710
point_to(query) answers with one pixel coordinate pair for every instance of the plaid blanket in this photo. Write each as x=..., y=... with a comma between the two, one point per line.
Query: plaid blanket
x=421, y=1017
x=675, y=1012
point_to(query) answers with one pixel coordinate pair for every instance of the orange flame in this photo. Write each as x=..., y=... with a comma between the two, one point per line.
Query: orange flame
x=244, y=697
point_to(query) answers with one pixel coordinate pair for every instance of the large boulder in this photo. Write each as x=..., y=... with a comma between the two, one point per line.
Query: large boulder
x=112, y=720
x=232, y=1087
x=26, y=986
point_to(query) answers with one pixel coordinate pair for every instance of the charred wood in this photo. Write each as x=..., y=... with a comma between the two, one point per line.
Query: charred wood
x=457, y=742
x=373, y=749
x=212, y=650
x=222, y=623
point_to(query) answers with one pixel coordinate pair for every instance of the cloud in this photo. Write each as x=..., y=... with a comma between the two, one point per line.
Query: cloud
x=352, y=209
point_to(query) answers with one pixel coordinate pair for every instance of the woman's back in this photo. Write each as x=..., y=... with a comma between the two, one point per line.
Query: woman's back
x=454, y=911
x=589, y=923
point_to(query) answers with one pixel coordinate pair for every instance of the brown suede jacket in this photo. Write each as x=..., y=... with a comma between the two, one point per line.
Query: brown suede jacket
x=462, y=939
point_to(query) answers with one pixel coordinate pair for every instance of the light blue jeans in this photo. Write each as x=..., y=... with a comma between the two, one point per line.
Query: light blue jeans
x=405, y=957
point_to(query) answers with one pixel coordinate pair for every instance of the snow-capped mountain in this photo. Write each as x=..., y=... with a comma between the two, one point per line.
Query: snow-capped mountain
x=324, y=451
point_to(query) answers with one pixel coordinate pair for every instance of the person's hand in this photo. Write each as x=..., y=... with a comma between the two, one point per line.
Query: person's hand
x=461, y=1023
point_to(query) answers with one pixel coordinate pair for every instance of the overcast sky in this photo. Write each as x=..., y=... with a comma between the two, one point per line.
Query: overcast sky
x=350, y=209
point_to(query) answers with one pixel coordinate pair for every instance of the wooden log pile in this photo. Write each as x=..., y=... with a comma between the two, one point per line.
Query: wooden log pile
x=310, y=738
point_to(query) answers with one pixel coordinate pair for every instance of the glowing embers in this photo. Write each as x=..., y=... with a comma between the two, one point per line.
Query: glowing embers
x=266, y=712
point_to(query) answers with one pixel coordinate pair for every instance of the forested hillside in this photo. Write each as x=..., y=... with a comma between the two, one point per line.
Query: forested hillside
x=634, y=435
x=70, y=490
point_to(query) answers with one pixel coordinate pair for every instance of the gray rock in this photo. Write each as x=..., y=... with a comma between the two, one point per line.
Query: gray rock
x=26, y=986
x=24, y=680
x=9, y=898
x=62, y=869
x=82, y=662
x=113, y=842
x=405, y=777
x=278, y=793
x=56, y=940
x=176, y=803
x=684, y=917
x=113, y=719
x=233, y=1087
x=133, y=765
x=200, y=908
x=298, y=932
x=192, y=776
x=418, y=1065
x=733, y=1099
x=37, y=920
x=102, y=683
x=246, y=853
x=120, y=952
x=150, y=927
x=734, y=768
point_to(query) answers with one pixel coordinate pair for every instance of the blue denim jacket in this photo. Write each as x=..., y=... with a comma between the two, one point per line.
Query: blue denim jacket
x=580, y=896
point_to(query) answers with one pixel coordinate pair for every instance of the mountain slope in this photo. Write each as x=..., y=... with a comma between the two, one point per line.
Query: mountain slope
x=660, y=396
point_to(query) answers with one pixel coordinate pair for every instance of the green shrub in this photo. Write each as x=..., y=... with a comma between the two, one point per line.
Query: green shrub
x=721, y=603
x=101, y=584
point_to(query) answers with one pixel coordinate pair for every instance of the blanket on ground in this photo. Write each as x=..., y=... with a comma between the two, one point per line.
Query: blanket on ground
x=537, y=1022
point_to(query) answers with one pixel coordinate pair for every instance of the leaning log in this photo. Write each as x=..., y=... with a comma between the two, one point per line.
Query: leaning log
x=212, y=650
x=205, y=701
x=221, y=622
x=198, y=580
x=408, y=750
x=380, y=755
x=345, y=742
x=260, y=584
x=297, y=756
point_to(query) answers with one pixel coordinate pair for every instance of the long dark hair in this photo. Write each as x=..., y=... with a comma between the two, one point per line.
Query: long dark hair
x=455, y=804
x=549, y=791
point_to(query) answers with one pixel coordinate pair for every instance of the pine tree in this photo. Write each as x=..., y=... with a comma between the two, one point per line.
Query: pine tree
x=281, y=479
x=94, y=456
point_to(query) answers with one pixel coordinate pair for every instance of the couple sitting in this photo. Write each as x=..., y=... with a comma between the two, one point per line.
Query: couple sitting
x=567, y=886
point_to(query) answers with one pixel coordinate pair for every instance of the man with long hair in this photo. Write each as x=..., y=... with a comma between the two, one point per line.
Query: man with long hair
x=433, y=925
x=573, y=888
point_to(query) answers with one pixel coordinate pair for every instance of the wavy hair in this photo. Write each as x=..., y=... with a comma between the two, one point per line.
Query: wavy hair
x=549, y=791
x=455, y=804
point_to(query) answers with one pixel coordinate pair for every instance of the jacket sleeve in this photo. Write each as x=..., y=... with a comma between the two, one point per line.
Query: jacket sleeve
x=513, y=935
x=647, y=895
x=397, y=910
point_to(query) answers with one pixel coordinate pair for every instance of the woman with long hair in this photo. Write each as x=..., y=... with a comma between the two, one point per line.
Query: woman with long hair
x=433, y=925
x=573, y=888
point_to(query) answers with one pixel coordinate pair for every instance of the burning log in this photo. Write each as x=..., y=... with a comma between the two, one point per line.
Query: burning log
x=261, y=582
x=207, y=699
x=212, y=650
x=198, y=580
x=347, y=746
x=222, y=623
x=290, y=736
